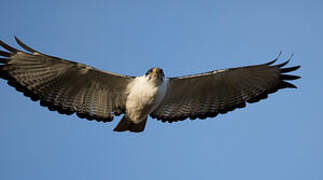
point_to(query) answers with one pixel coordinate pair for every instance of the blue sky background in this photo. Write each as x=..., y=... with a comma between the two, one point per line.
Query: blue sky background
x=278, y=138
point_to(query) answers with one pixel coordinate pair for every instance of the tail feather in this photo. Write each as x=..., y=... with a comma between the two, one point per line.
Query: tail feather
x=126, y=124
x=123, y=125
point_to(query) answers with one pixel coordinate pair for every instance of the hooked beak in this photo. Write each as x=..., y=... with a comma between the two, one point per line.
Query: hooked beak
x=155, y=72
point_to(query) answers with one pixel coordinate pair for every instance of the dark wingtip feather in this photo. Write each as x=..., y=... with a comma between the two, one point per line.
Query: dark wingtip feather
x=7, y=47
x=285, y=84
x=286, y=62
x=285, y=70
x=273, y=61
x=282, y=64
x=5, y=54
x=25, y=46
x=289, y=77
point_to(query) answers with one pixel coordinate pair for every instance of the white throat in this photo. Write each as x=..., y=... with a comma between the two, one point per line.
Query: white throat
x=145, y=95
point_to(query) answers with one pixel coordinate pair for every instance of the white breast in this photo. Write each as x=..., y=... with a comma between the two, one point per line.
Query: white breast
x=144, y=97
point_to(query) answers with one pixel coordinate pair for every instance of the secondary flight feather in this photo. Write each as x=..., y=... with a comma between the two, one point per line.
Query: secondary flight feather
x=69, y=87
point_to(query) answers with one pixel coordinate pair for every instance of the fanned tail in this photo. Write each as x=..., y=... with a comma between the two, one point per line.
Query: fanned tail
x=126, y=124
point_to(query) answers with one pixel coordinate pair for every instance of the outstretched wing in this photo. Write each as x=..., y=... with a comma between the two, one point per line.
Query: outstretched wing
x=63, y=85
x=208, y=94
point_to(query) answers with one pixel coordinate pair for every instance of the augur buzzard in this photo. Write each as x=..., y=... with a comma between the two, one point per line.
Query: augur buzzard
x=69, y=87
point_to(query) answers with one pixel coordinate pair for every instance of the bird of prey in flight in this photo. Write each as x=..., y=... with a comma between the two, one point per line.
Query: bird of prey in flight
x=69, y=87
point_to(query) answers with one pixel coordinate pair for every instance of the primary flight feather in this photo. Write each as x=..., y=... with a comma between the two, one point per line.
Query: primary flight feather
x=69, y=87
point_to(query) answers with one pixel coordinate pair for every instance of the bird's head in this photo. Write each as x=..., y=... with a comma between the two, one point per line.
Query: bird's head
x=155, y=74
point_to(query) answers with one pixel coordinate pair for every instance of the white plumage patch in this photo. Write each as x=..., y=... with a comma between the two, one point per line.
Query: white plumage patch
x=145, y=95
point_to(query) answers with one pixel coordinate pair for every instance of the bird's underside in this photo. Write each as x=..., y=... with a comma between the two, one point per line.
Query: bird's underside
x=69, y=87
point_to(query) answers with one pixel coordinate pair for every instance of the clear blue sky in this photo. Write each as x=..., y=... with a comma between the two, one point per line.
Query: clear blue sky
x=279, y=138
